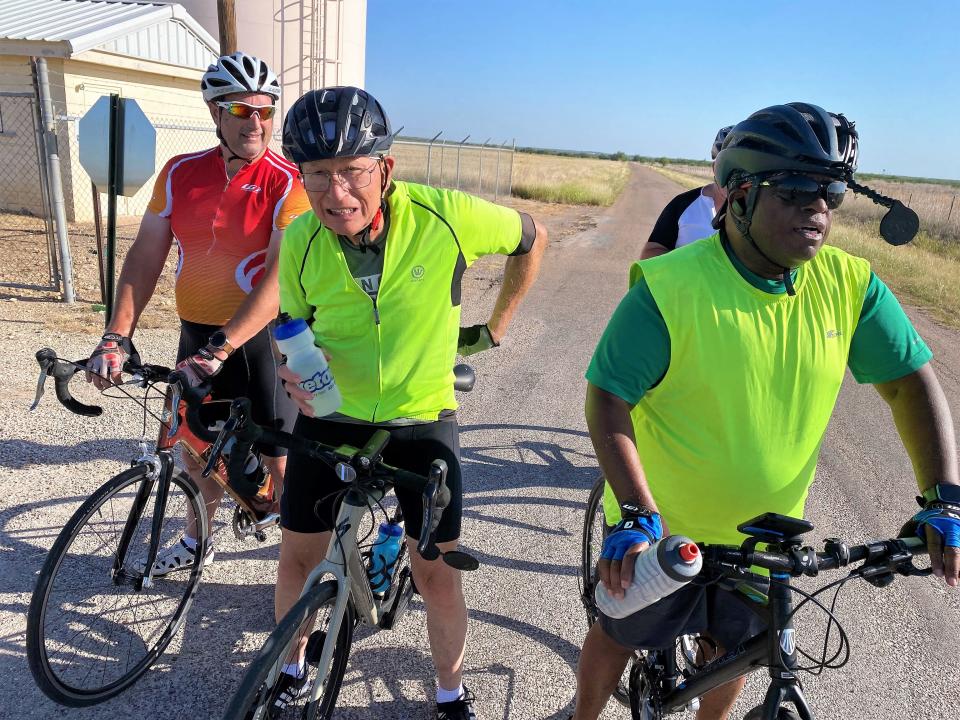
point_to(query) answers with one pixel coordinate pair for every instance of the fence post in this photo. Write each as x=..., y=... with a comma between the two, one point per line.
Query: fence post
x=480, y=186
x=513, y=155
x=430, y=153
x=443, y=145
x=496, y=187
x=52, y=153
x=950, y=211
x=459, y=148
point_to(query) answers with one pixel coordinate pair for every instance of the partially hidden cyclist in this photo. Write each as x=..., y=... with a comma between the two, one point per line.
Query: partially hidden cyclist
x=689, y=216
x=376, y=270
x=226, y=208
x=711, y=388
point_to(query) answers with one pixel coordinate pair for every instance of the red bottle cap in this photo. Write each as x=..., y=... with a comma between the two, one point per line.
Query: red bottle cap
x=689, y=552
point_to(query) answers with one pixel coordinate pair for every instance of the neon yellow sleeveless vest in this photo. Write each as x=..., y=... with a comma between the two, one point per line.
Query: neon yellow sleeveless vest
x=734, y=428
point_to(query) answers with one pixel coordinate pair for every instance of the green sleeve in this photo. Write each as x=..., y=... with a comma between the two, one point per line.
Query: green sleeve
x=885, y=346
x=292, y=298
x=634, y=352
x=482, y=228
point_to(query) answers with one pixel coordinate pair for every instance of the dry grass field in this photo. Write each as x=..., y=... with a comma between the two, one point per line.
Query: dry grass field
x=923, y=273
x=574, y=181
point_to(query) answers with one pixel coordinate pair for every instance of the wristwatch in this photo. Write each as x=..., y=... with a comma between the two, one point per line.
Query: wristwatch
x=943, y=493
x=218, y=341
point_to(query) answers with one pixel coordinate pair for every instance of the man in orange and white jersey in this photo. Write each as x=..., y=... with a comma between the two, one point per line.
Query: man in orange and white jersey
x=226, y=208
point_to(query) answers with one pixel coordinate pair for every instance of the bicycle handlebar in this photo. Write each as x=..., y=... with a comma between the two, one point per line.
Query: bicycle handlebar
x=879, y=557
x=348, y=461
x=62, y=372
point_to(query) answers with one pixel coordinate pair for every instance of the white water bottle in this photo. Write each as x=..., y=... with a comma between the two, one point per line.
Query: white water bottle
x=661, y=569
x=295, y=340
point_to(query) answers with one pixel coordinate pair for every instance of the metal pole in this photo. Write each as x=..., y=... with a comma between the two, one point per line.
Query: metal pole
x=496, y=187
x=513, y=154
x=459, y=148
x=430, y=153
x=98, y=231
x=480, y=188
x=443, y=145
x=114, y=184
x=52, y=153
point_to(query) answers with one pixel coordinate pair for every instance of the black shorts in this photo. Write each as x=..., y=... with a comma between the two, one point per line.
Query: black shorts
x=311, y=489
x=692, y=609
x=250, y=372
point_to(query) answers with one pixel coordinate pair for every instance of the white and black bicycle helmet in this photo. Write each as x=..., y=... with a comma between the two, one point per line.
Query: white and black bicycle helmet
x=239, y=73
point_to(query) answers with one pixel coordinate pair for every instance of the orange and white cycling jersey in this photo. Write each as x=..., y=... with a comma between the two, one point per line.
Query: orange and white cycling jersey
x=223, y=226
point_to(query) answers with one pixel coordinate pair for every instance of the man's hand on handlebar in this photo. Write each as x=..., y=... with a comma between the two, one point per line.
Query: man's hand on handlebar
x=939, y=524
x=636, y=531
x=200, y=367
x=107, y=360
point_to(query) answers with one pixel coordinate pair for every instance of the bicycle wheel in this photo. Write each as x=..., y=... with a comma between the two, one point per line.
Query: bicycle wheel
x=595, y=530
x=305, y=625
x=91, y=633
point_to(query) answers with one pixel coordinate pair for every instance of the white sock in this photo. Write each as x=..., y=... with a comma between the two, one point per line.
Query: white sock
x=294, y=669
x=445, y=696
x=190, y=542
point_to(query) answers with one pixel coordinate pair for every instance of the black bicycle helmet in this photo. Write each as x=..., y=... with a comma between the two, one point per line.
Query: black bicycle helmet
x=335, y=122
x=718, y=141
x=797, y=137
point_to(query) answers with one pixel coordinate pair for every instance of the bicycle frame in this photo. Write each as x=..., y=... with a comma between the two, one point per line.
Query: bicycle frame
x=344, y=562
x=775, y=649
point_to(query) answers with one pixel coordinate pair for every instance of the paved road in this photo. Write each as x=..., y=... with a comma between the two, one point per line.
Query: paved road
x=528, y=465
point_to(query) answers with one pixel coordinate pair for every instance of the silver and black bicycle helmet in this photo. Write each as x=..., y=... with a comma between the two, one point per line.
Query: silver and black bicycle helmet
x=335, y=122
x=239, y=73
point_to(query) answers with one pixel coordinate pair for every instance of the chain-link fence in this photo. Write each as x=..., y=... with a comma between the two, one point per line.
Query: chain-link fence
x=29, y=251
x=483, y=170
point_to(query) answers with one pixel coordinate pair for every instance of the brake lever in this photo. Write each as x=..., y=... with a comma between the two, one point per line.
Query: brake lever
x=176, y=393
x=226, y=433
x=45, y=357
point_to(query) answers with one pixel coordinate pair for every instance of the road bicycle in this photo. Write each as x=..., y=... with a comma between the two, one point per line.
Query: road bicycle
x=320, y=626
x=659, y=684
x=98, y=618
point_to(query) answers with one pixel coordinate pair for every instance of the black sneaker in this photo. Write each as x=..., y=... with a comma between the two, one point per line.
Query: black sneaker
x=287, y=689
x=459, y=709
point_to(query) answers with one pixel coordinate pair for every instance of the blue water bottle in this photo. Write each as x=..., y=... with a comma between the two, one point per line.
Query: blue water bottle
x=383, y=557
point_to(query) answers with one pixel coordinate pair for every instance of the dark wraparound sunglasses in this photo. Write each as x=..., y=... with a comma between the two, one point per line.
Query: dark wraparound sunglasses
x=802, y=190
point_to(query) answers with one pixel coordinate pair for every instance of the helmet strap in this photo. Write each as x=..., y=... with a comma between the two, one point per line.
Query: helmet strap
x=743, y=223
x=223, y=141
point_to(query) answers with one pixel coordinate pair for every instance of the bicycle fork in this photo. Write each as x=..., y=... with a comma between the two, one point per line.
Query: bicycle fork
x=159, y=474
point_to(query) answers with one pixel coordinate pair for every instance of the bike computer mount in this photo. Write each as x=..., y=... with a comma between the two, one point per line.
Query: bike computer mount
x=775, y=528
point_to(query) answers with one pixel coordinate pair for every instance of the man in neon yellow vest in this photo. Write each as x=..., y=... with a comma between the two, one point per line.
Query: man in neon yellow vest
x=375, y=270
x=712, y=386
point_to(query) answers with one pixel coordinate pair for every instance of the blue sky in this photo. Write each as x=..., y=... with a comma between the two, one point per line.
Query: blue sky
x=660, y=78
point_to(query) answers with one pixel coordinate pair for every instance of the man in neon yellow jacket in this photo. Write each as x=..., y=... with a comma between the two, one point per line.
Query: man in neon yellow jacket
x=712, y=386
x=375, y=270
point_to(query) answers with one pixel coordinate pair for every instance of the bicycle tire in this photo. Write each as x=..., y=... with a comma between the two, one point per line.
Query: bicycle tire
x=254, y=701
x=594, y=531
x=71, y=662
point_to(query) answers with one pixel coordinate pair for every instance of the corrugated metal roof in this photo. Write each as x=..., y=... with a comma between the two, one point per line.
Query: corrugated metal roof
x=152, y=30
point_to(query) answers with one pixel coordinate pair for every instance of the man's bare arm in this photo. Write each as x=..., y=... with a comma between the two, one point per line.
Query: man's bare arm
x=519, y=275
x=141, y=269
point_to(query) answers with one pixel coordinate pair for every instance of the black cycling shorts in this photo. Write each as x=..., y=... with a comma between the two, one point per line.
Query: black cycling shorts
x=692, y=609
x=251, y=371
x=312, y=491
